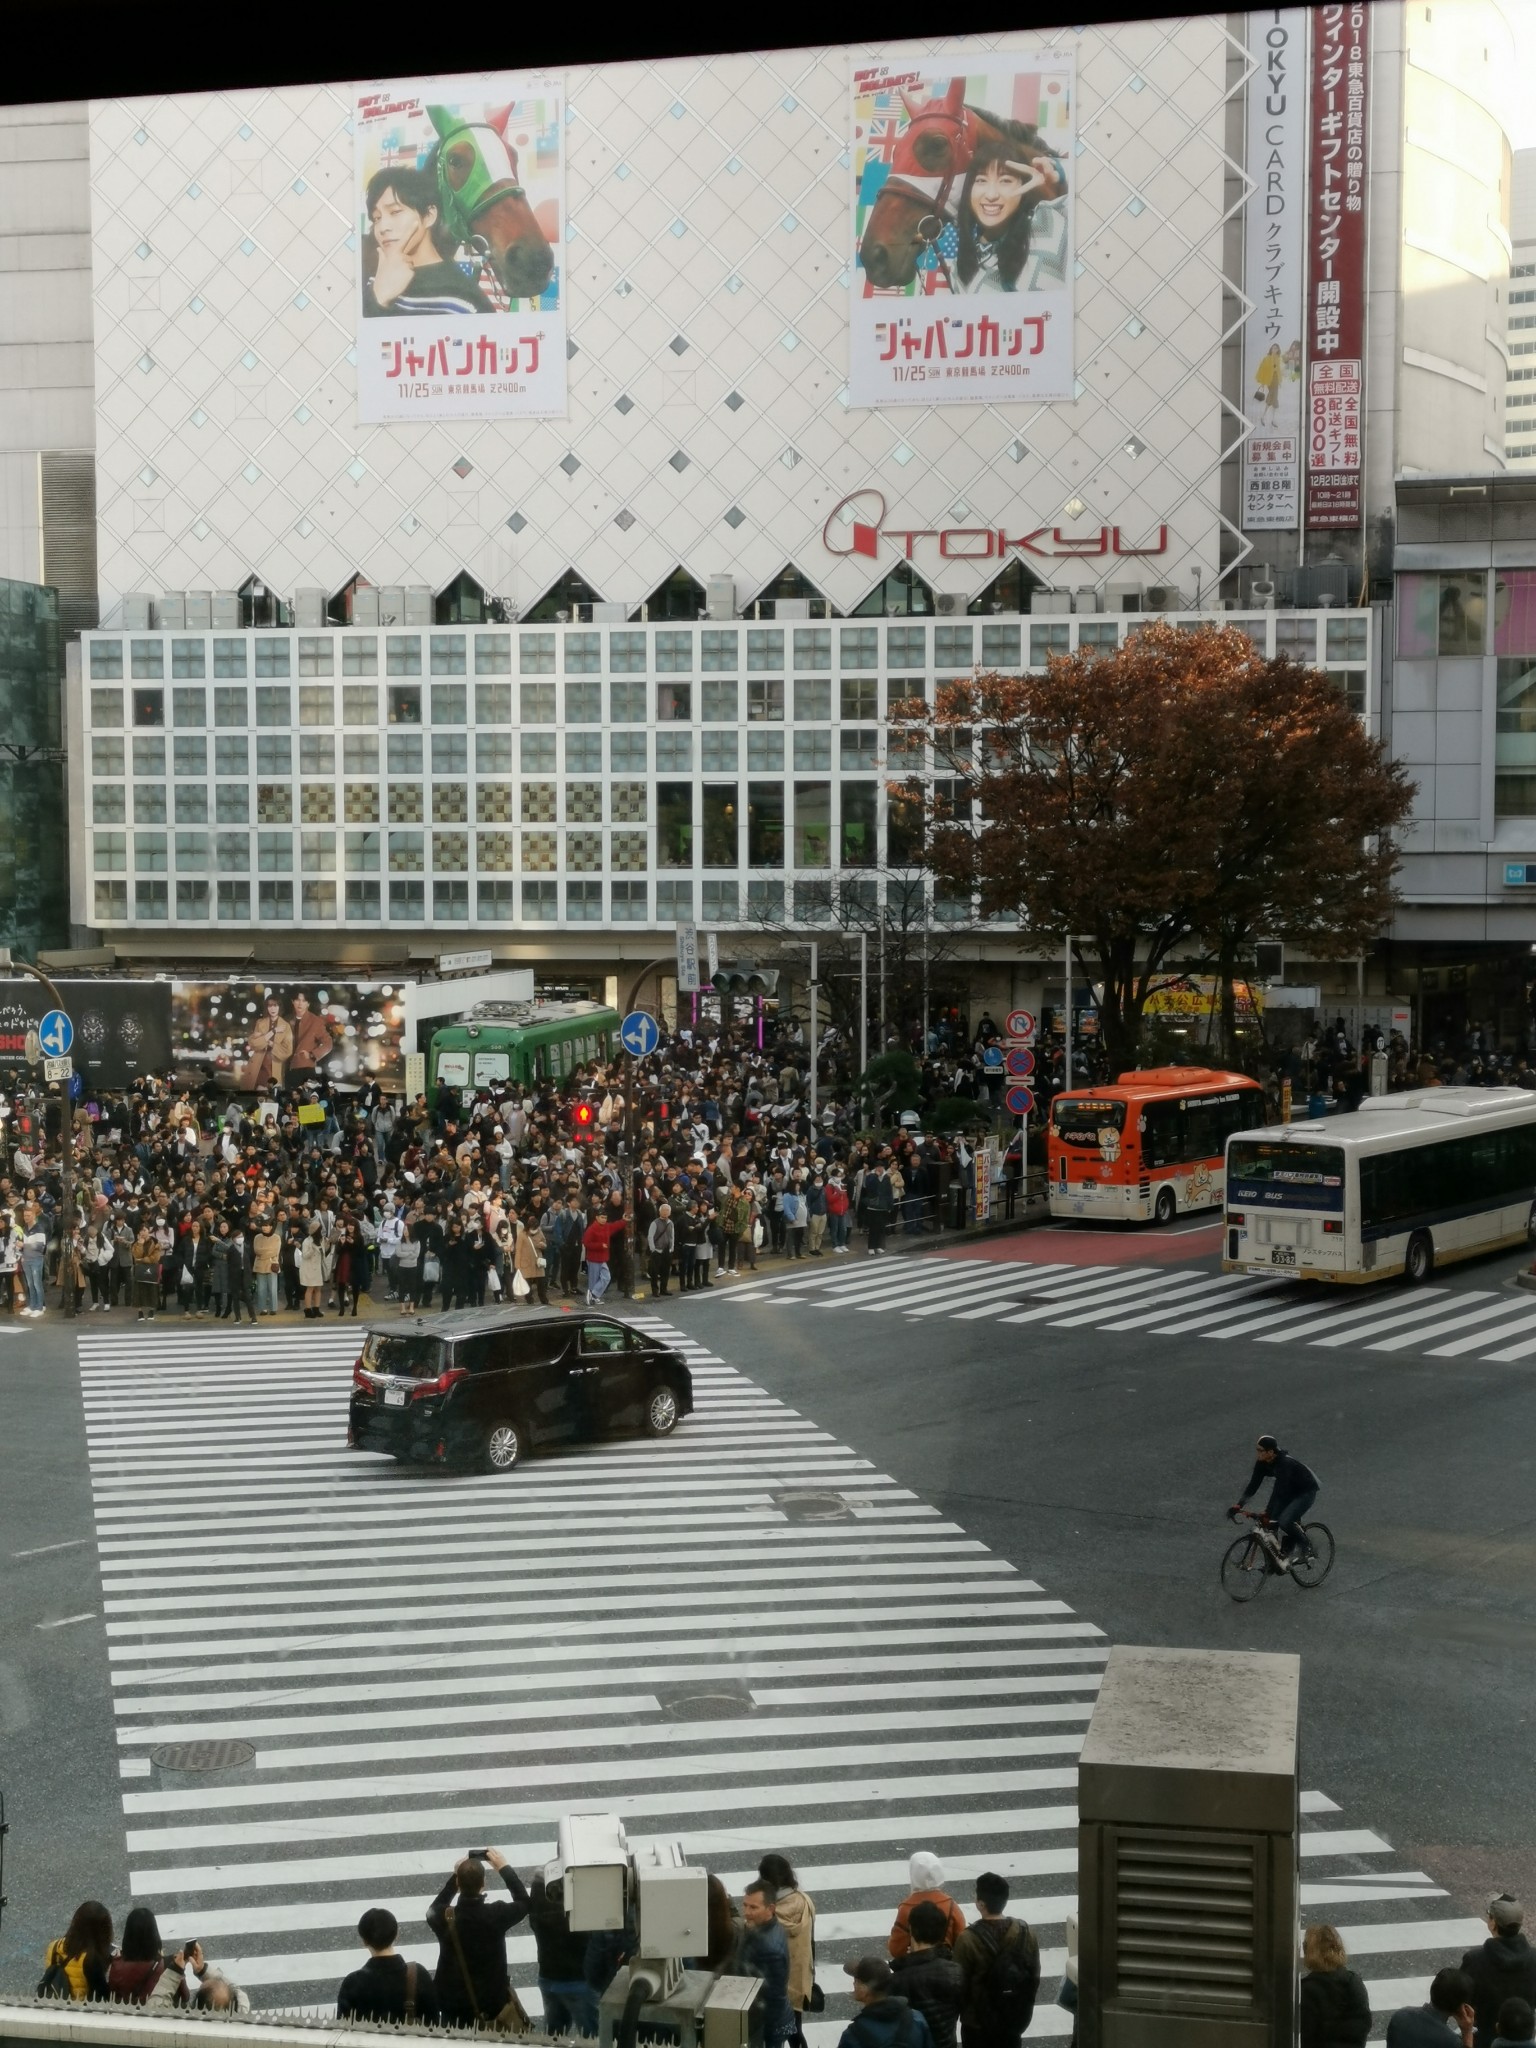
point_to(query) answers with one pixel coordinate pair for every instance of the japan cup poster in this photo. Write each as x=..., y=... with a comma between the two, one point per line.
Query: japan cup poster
x=460, y=211
x=963, y=232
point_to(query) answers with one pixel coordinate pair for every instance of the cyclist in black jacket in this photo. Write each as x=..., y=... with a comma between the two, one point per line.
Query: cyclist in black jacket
x=1294, y=1489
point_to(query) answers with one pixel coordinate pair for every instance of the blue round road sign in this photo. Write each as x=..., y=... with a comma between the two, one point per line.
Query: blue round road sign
x=1021, y=1062
x=640, y=1034
x=55, y=1034
x=1020, y=1101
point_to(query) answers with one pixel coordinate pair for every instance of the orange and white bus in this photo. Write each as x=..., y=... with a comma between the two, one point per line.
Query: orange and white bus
x=1149, y=1146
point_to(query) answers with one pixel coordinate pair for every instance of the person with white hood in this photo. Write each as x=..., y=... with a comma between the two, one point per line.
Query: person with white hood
x=927, y=1876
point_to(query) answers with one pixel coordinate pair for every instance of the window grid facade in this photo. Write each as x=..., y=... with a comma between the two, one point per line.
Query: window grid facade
x=573, y=777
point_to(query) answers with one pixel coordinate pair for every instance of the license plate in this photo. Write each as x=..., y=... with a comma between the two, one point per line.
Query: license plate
x=1282, y=1255
x=394, y=1397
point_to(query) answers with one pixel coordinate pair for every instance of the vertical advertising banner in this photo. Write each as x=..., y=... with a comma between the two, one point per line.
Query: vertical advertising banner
x=1337, y=119
x=962, y=231
x=460, y=207
x=1272, y=272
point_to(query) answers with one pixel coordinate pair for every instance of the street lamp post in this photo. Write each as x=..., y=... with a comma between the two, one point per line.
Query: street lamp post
x=66, y=1133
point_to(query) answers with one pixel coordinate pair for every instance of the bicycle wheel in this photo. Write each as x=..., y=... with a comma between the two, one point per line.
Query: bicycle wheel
x=1244, y=1569
x=1313, y=1570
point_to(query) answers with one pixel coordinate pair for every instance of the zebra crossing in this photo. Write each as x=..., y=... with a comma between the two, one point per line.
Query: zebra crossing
x=744, y=1636
x=1488, y=1324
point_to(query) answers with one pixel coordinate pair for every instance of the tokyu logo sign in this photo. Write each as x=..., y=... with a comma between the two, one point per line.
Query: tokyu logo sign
x=861, y=532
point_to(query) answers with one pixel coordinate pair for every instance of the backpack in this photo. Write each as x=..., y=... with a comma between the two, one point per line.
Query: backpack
x=1011, y=1984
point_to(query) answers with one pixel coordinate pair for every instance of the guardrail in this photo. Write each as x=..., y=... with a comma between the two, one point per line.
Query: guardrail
x=134, y=2026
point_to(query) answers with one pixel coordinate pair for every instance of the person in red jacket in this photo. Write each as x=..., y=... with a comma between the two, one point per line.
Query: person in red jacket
x=595, y=1242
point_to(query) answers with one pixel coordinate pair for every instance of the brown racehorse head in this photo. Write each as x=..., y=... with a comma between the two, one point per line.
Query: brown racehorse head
x=935, y=150
x=483, y=200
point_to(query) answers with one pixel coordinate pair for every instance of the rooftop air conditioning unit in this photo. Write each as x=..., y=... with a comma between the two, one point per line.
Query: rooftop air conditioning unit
x=309, y=608
x=720, y=597
x=1323, y=583
x=365, y=605
x=136, y=611
x=1122, y=597
x=392, y=604
x=949, y=604
x=419, y=604
x=1051, y=602
x=607, y=613
x=1164, y=597
x=199, y=609
x=171, y=611
x=226, y=611
x=1087, y=600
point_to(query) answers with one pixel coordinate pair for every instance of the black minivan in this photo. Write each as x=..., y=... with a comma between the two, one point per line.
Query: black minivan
x=487, y=1388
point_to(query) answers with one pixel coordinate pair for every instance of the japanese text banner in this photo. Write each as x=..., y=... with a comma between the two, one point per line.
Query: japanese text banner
x=963, y=232
x=1336, y=263
x=460, y=206
x=1272, y=272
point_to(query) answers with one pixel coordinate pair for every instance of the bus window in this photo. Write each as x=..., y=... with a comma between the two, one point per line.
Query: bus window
x=1080, y=1122
x=1162, y=1134
x=1282, y=1174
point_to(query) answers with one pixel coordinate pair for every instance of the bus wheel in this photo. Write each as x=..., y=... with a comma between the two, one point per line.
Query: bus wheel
x=1166, y=1207
x=1419, y=1260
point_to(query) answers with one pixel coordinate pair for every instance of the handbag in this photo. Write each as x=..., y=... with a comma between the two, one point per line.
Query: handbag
x=492, y=1280
x=431, y=1269
x=512, y=2019
x=520, y=1288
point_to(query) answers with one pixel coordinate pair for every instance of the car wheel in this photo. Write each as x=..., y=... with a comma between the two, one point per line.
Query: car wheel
x=1419, y=1259
x=1166, y=1207
x=504, y=1446
x=661, y=1410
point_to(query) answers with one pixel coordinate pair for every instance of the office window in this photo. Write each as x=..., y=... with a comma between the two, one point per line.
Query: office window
x=718, y=753
x=450, y=704
x=229, y=658
x=404, y=702
x=362, y=901
x=1350, y=682
x=272, y=658
x=584, y=803
x=1346, y=639
x=813, y=647
x=583, y=654
x=317, y=804
x=536, y=654
x=232, y=803
x=272, y=705
x=1442, y=614
x=189, y=659
x=450, y=852
x=274, y=853
x=720, y=819
x=359, y=704
x=148, y=659
x=765, y=752
x=362, y=853
x=584, y=753
x=629, y=904
x=274, y=755
x=106, y=707
x=108, y=804
x=111, y=901
x=149, y=756
x=316, y=654
x=813, y=902
x=191, y=803
x=813, y=750
x=493, y=704
x=493, y=853
x=402, y=654
x=674, y=701
x=408, y=901
x=1100, y=636
x=1296, y=637
x=360, y=753
x=1000, y=647
x=674, y=902
x=106, y=660
x=765, y=650
x=718, y=650
x=674, y=824
x=626, y=653
x=274, y=902
x=629, y=804
x=858, y=647
x=858, y=748
x=719, y=703
x=629, y=853
x=234, y=901
x=627, y=752
x=626, y=703
x=149, y=803
x=813, y=699
x=360, y=655
x=317, y=853
x=450, y=753
x=231, y=754
x=953, y=798
x=151, y=900
x=450, y=902
x=906, y=697
x=231, y=708
x=765, y=824
x=493, y=654
x=107, y=756
x=537, y=703
x=540, y=901
x=952, y=646
x=859, y=697
x=721, y=903
x=407, y=853
x=192, y=901
x=813, y=825
x=111, y=853
x=583, y=703
x=193, y=853
x=150, y=853
x=1044, y=641
x=317, y=754
x=403, y=752
x=450, y=803
x=674, y=653
x=584, y=902
x=317, y=704
x=149, y=707
x=447, y=653
x=674, y=753
x=493, y=753
x=765, y=902
x=318, y=901
x=765, y=699
x=904, y=833
x=536, y=753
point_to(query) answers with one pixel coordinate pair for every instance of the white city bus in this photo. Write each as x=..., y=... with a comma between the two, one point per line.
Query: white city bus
x=1404, y=1183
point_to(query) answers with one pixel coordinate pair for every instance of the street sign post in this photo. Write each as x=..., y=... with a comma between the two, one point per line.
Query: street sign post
x=55, y=1035
x=640, y=1034
x=687, y=959
x=1020, y=1101
x=1020, y=1062
x=1021, y=1024
x=58, y=1069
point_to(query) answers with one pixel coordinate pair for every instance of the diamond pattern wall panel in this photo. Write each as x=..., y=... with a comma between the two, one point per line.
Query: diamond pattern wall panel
x=708, y=253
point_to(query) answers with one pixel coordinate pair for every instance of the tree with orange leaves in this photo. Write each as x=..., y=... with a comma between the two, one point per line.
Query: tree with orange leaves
x=1178, y=796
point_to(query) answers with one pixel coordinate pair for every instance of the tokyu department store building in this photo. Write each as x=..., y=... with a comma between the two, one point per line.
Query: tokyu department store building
x=518, y=502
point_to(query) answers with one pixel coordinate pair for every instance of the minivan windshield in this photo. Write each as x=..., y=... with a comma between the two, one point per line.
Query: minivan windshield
x=405, y=1357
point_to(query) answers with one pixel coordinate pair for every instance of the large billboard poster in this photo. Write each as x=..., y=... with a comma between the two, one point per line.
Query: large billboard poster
x=460, y=210
x=963, y=231
x=122, y=1028
x=1277, y=97
x=1336, y=263
x=251, y=1035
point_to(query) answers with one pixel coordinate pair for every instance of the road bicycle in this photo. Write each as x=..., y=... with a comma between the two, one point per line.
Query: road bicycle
x=1255, y=1557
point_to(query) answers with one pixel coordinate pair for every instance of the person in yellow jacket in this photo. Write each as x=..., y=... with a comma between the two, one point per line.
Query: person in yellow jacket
x=1268, y=378
x=76, y=1965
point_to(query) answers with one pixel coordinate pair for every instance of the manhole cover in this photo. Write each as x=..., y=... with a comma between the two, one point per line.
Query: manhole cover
x=727, y=1699
x=806, y=1505
x=203, y=1756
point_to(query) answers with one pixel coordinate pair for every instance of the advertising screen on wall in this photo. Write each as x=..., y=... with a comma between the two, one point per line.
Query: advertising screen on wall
x=963, y=232
x=460, y=204
x=1272, y=268
x=1336, y=263
x=122, y=1028
x=250, y=1035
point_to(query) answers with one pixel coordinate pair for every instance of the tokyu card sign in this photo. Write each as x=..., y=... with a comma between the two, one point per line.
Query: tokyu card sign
x=459, y=202
x=1272, y=268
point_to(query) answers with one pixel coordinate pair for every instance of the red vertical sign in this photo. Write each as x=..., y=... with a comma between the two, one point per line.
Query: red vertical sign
x=1338, y=119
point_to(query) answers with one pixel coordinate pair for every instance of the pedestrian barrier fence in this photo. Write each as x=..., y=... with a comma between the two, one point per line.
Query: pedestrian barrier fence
x=125, y=2026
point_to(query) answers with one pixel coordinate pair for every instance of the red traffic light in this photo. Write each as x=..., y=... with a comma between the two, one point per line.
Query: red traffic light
x=581, y=1116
